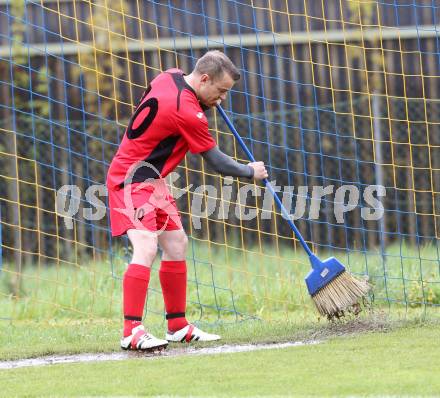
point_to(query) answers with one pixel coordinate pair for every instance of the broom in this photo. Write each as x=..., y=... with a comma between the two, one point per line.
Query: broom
x=332, y=288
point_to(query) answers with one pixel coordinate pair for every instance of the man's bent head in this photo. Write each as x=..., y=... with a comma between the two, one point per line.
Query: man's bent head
x=214, y=75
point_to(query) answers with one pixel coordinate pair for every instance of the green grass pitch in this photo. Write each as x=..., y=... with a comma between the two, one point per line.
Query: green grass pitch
x=402, y=361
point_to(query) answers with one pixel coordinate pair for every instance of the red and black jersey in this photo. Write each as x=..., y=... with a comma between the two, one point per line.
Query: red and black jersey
x=167, y=123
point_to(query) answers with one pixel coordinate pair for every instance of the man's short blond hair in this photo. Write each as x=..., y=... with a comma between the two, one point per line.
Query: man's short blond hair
x=214, y=63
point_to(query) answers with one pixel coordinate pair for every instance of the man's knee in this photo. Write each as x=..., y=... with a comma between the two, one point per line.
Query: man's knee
x=183, y=241
x=143, y=242
x=179, y=244
x=174, y=245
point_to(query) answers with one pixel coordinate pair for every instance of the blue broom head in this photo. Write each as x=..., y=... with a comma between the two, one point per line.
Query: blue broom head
x=322, y=273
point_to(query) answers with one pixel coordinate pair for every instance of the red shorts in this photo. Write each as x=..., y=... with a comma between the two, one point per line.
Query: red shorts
x=145, y=206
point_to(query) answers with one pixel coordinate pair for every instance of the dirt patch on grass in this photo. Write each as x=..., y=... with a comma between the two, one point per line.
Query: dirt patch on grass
x=374, y=322
x=173, y=352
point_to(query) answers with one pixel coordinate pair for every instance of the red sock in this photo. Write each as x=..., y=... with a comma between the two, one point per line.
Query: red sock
x=172, y=275
x=135, y=286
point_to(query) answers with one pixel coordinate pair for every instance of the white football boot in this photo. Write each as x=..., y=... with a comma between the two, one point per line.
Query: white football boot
x=142, y=341
x=191, y=333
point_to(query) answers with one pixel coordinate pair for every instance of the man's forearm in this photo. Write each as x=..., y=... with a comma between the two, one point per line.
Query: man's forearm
x=225, y=165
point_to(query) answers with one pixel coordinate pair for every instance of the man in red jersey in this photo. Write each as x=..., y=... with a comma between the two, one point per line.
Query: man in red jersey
x=168, y=122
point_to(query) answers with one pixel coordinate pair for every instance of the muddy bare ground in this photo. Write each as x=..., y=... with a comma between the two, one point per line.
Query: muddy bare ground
x=354, y=326
x=374, y=322
x=119, y=356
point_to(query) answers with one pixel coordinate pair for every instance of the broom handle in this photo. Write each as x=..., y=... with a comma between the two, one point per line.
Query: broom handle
x=284, y=211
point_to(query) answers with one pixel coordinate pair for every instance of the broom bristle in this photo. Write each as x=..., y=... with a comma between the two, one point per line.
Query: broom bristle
x=340, y=295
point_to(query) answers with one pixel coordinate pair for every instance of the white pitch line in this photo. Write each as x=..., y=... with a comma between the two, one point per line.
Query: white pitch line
x=120, y=356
